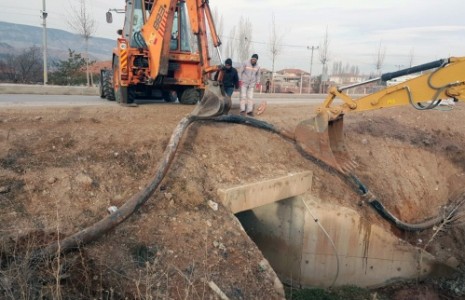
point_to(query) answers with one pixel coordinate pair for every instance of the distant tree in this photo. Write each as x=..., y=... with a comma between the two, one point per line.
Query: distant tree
x=30, y=65
x=379, y=58
x=218, y=21
x=82, y=22
x=229, y=51
x=349, y=69
x=324, y=53
x=8, y=68
x=411, y=56
x=337, y=67
x=316, y=84
x=25, y=67
x=324, y=57
x=70, y=71
x=275, y=46
x=244, y=39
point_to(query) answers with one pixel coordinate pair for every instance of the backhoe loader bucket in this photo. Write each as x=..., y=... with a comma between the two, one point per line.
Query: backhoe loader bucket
x=213, y=103
x=324, y=140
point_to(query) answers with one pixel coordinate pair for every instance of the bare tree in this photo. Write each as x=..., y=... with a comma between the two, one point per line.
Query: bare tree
x=411, y=56
x=23, y=67
x=275, y=46
x=82, y=22
x=30, y=64
x=348, y=69
x=230, y=44
x=379, y=59
x=218, y=21
x=9, y=68
x=244, y=38
x=324, y=57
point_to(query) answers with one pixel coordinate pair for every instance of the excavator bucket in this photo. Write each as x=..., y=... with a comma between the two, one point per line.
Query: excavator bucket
x=324, y=140
x=213, y=103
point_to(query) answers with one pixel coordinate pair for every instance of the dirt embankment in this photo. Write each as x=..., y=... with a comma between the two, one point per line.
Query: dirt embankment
x=62, y=168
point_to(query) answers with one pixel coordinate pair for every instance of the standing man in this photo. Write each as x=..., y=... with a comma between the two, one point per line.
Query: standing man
x=249, y=78
x=230, y=78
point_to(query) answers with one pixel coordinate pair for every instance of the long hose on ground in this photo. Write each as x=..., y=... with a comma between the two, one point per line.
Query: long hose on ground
x=103, y=226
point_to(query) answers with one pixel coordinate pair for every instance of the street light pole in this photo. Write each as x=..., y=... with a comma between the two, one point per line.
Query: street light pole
x=44, y=17
x=311, y=65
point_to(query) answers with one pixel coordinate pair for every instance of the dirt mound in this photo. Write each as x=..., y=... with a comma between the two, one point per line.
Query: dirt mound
x=62, y=168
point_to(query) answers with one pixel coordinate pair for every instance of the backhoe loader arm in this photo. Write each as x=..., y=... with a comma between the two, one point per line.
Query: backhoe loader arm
x=322, y=136
x=157, y=33
x=200, y=18
x=446, y=81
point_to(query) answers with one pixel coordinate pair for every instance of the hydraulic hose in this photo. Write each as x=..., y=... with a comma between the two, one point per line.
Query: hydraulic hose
x=387, y=215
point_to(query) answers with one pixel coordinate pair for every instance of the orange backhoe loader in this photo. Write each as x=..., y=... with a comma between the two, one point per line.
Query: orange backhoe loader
x=162, y=51
x=322, y=136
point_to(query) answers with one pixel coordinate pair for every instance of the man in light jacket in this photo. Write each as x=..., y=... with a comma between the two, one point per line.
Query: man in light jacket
x=249, y=78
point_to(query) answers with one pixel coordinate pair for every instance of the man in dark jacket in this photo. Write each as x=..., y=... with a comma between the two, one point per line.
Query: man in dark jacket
x=230, y=77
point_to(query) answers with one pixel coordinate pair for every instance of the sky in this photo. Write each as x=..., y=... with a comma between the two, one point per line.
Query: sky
x=407, y=30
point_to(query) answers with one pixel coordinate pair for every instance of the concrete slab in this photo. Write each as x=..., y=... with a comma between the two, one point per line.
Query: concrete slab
x=249, y=196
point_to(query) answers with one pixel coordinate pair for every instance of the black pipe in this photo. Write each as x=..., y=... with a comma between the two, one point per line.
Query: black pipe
x=379, y=207
x=387, y=215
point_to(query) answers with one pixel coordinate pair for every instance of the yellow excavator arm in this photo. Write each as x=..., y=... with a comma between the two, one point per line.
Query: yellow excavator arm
x=447, y=81
x=322, y=136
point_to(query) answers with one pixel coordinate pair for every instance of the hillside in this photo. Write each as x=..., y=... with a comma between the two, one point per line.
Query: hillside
x=16, y=37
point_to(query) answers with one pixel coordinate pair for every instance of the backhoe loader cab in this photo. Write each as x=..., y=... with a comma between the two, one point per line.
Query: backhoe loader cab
x=161, y=53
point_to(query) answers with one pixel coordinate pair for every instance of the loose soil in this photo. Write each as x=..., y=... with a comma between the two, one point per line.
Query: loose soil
x=61, y=168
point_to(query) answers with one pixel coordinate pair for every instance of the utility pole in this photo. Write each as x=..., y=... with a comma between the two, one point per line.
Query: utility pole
x=311, y=65
x=44, y=24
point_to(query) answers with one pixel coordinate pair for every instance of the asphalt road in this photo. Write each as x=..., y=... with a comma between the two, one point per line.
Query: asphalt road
x=22, y=100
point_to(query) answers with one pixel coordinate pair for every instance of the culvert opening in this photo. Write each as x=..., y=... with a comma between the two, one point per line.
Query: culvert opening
x=277, y=230
x=313, y=244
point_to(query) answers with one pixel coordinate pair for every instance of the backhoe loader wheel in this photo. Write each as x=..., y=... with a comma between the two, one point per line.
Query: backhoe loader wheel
x=107, y=85
x=100, y=88
x=169, y=96
x=123, y=94
x=189, y=96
